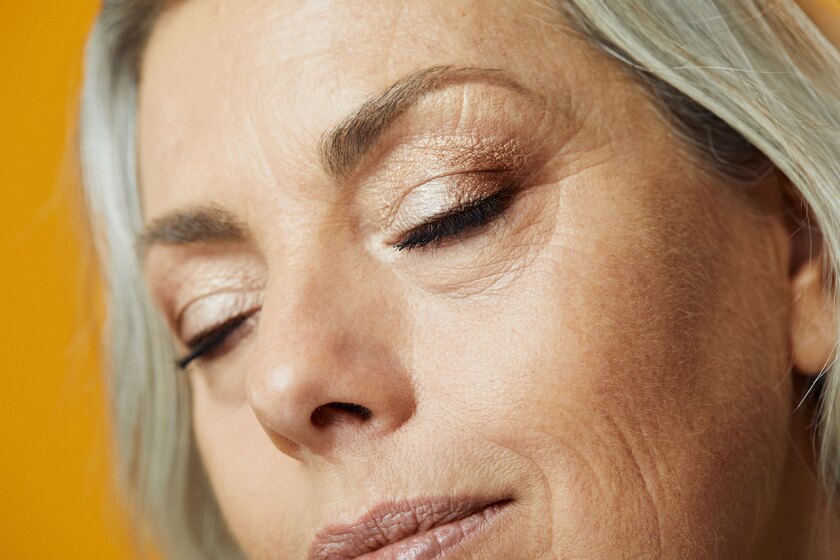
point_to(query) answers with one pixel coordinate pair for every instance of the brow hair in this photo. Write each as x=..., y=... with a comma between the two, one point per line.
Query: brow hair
x=199, y=224
x=343, y=148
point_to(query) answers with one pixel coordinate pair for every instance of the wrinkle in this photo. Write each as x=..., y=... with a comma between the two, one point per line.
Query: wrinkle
x=649, y=492
x=535, y=467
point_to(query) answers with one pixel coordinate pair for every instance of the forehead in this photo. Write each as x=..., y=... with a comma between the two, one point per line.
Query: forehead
x=236, y=93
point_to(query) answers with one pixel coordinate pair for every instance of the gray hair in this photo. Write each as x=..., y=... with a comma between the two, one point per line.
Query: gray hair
x=748, y=83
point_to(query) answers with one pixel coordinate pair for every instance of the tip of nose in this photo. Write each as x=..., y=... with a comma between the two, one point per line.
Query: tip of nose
x=340, y=412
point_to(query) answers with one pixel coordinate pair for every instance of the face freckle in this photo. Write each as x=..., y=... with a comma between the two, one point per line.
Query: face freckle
x=581, y=354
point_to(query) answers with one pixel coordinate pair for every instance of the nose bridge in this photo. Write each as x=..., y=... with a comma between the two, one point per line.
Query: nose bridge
x=330, y=297
x=330, y=286
x=326, y=371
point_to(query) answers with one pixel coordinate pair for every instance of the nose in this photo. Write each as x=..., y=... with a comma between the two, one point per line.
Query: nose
x=325, y=377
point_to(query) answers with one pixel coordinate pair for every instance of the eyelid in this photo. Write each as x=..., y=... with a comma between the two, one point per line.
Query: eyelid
x=206, y=312
x=461, y=184
x=442, y=196
x=217, y=338
x=456, y=154
x=459, y=221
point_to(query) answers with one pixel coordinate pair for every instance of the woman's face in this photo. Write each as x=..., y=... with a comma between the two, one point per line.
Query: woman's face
x=596, y=342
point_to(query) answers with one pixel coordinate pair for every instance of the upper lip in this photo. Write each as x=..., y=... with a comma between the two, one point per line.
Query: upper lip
x=391, y=522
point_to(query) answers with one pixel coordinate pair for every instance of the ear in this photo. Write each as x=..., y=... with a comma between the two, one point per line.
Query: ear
x=812, y=333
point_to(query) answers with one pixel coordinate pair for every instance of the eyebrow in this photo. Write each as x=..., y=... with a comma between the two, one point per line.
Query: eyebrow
x=201, y=224
x=340, y=150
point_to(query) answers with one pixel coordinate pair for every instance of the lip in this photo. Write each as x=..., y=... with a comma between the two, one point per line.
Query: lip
x=419, y=529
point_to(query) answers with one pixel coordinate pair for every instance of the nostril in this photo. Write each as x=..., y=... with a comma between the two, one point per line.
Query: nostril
x=336, y=412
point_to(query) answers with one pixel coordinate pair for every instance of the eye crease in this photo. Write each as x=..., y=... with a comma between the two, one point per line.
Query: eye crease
x=462, y=219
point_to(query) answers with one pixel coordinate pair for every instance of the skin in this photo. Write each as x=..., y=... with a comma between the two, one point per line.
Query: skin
x=621, y=352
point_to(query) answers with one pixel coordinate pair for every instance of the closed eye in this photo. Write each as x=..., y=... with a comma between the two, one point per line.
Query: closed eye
x=457, y=222
x=212, y=341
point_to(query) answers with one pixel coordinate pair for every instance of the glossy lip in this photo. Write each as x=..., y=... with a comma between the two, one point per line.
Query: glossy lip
x=420, y=529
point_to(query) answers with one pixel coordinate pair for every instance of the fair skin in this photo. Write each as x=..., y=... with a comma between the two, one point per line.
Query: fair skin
x=620, y=352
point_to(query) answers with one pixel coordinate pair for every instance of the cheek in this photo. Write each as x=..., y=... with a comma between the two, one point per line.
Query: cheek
x=257, y=488
x=633, y=366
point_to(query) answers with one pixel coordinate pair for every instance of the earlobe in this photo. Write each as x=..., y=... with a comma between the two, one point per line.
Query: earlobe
x=813, y=319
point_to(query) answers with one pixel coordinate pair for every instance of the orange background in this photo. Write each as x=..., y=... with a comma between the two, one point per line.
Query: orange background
x=54, y=497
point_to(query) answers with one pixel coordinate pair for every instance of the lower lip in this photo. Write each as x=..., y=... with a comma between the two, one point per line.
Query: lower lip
x=438, y=542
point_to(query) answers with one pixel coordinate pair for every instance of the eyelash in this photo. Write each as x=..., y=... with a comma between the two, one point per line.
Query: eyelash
x=205, y=343
x=453, y=223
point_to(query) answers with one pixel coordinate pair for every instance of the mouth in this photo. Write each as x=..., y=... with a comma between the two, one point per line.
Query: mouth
x=419, y=529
